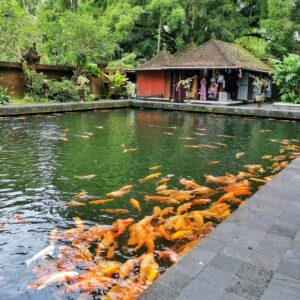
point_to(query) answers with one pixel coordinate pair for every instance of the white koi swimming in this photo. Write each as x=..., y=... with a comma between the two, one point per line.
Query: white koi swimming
x=55, y=278
x=48, y=251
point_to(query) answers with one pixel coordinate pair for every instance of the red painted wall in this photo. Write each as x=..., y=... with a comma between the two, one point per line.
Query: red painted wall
x=151, y=83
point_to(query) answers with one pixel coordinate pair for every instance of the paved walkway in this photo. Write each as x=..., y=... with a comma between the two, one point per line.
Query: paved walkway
x=254, y=254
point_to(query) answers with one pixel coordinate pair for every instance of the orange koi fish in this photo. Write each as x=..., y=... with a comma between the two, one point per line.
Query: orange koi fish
x=156, y=212
x=128, y=267
x=80, y=196
x=101, y=201
x=118, y=194
x=189, y=184
x=164, y=233
x=170, y=255
x=257, y=180
x=201, y=201
x=161, y=199
x=254, y=168
x=183, y=208
x=162, y=181
x=150, y=177
x=167, y=192
x=162, y=187
x=126, y=188
x=154, y=168
x=169, y=133
x=78, y=223
x=267, y=157
x=181, y=234
x=214, y=162
x=19, y=220
x=74, y=204
x=135, y=203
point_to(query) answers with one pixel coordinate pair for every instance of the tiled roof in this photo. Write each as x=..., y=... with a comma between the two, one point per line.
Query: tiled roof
x=214, y=54
x=158, y=62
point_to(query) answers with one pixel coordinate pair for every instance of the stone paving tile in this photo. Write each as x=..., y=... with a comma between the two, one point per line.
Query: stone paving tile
x=226, y=263
x=239, y=251
x=197, y=290
x=193, y=263
x=277, y=240
x=251, y=219
x=255, y=274
x=157, y=292
x=212, y=244
x=271, y=249
x=230, y=296
x=283, y=231
x=246, y=288
x=297, y=236
x=216, y=277
x=282, y=287
x=174, y=279
x=263, y=260
x=289, y=269
x=293, y=256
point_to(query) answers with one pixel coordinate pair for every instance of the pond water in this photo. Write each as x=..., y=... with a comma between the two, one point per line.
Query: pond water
x=40, y=155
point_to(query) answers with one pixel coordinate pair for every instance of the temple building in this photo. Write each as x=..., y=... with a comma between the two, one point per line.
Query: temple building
x=215, y=71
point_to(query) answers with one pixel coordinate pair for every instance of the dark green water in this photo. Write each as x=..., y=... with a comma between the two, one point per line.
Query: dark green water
x=37, y=170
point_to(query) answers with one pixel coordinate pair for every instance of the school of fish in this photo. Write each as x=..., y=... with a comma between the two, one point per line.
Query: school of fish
x=86, y=259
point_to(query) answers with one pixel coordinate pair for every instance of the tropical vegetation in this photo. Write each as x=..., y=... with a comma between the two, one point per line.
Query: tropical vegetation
x=128, y=32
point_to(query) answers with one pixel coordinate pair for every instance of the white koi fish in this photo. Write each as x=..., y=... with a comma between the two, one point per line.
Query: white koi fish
x=55, y=278
x=48, y=251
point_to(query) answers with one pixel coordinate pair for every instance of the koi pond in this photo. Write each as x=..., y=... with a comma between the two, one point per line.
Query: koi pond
x=96, y=205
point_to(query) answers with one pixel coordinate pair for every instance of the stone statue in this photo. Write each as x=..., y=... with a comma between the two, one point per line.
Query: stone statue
x=32, y=56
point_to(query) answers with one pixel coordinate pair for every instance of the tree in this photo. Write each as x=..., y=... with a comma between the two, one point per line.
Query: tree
x=167, y=16
x=17, y=30
x=287, y=77
x=76, y=39
x=279, y=27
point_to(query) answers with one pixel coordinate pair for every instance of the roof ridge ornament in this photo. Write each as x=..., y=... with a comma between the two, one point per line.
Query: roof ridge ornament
x=213, y=36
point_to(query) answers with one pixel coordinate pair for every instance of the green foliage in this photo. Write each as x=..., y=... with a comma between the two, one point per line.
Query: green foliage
x=287, y=77
x=117, y=81
x=92, y=69
x=254, y=45
x=129, y=32
x=280, y=27
x=4, y=97
x=35, y=83
x=17, y=30
x=62, y=91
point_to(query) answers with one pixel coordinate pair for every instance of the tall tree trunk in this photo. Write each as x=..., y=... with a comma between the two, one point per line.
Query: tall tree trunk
x=159, y=35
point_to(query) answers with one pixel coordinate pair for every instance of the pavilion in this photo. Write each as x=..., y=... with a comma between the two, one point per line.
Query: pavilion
x=218, y=70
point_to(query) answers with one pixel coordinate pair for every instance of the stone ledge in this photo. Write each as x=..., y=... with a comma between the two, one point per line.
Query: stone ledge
x=239, y=259
x=14, y=110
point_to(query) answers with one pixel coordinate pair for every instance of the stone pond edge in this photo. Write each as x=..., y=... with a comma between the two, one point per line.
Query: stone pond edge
x=251, y=255
x=280, y=113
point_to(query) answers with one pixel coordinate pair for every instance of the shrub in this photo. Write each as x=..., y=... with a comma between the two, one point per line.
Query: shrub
x=4, y=98
x=35, y=83
x=63, y=91
x=287, y=77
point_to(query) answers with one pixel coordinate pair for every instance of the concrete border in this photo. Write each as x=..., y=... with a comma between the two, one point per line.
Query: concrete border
x=218, y=109
x=242, y=110
x=254, y=254
x=14, y=110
